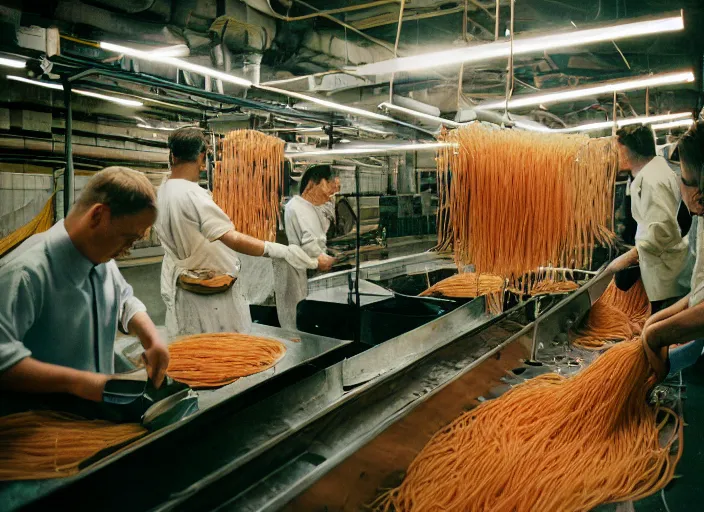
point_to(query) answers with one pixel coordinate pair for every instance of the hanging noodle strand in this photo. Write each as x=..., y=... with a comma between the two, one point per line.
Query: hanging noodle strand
x=247, y=182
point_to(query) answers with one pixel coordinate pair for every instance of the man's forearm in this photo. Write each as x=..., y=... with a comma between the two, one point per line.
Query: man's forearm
x=142, y=326
x=682, y=327
x=32, y=376
x=242, y=243
x=624, y=261
x=676, y=308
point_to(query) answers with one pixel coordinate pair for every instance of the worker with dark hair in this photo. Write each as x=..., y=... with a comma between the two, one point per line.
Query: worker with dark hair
x=660, y=250
x=307, y=217
x=64, y=297
x=199, y=239
x=683, y=321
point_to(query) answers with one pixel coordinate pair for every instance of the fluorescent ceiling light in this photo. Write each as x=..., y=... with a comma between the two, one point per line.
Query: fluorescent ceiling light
x=374, y=149
x=162, y=128
x=594, y=90
x=674, y=124
x=114, y=99
x=421, y=115
x=12, y=63
x=606, y=125
x=328, y=104
x=178, y=50
x=48, y=85
x=181, y=64
x=523, y=46
x=59, y=87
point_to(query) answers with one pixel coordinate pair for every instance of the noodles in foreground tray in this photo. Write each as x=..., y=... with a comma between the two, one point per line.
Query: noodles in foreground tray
x=43, y=444
x=551, y=443
x=217, y=359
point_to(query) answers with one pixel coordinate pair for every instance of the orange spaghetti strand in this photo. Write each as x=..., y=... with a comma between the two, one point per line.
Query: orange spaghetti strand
x=551, y=443
x=217, y=359
x=44, y=444
x=545, y=202
x=247, y=182
x=616, y=316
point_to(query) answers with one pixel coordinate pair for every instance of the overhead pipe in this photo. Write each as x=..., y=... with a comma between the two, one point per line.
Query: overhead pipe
x=68, y=151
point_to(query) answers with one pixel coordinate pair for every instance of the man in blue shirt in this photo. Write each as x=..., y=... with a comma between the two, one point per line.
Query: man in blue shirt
x=63, y=297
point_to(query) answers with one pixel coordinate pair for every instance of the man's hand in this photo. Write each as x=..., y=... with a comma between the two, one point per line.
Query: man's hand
x=325, y=262
x=157, y=359
x=623, y=262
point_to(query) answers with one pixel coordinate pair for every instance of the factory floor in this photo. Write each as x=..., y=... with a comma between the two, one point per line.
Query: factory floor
x=684, y=494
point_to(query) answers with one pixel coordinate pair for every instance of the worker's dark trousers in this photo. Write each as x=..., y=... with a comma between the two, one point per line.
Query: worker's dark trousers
x=659, y=305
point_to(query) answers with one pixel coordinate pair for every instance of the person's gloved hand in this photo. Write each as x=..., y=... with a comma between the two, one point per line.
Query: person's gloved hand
x=292, y=254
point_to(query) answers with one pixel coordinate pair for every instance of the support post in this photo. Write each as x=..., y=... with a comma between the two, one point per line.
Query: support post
x=68, y=150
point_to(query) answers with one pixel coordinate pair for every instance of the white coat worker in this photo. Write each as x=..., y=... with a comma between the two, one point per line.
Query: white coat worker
x=197, y=235
x=63, y=296
x=307, y=217
x=667, y=335
x=660, y=251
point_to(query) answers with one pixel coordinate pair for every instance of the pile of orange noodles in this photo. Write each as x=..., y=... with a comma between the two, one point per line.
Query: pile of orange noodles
x=551, y=443
x=616, y=316
x=44, y=444
x=217, y=359
x=466, y=285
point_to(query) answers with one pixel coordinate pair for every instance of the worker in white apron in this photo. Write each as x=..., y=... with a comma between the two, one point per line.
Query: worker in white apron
x=667, y=334
x=307, y=218
x=198, y=237
x=661, y=251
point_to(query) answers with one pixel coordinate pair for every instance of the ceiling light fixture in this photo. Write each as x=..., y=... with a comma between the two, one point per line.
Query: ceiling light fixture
x=674, y=124
x=591, y=91
x=421, y=115
x=374, y=149
x=607, y=125
x=496, y=50
x=148, y=127
x=59, y=87
x=328, y=104
x=179, y=63
x=12, y=63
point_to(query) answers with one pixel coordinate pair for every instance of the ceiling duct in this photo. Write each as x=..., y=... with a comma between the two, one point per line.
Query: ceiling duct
x=158, y=10
x=130, y=28
x=403, y=101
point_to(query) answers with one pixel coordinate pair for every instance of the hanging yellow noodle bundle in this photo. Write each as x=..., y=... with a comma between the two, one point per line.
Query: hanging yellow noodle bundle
x=466, y=285
x=511, y=201
x=38, y=224
x=247, y=182
x=43, y=444
x=217, y=359
x=548, y=444
x=616, y=316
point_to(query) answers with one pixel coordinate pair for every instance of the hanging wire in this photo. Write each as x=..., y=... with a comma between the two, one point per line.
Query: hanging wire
x=398, y=37
x=509, y=77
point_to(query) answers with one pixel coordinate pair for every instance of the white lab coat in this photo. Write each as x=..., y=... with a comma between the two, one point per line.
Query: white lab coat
x=662, y=252
x=306, y=226
x=189, y=225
